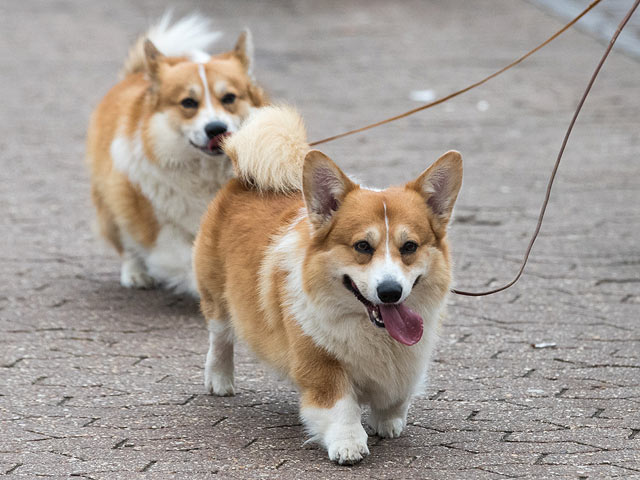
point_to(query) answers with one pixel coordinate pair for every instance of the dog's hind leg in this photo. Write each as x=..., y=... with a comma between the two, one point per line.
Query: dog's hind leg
x=218, y=368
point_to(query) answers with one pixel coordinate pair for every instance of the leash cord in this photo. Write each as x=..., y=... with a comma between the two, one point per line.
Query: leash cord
x=464, y=90
x=557, y=164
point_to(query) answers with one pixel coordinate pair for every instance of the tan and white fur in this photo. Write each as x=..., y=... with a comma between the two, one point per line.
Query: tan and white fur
x=154, y=146
x=337, y=286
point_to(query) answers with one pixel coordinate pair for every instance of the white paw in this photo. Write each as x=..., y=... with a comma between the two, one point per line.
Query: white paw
x=350, y=450
x=388, y=428
x=134, y=275
x=218, y=384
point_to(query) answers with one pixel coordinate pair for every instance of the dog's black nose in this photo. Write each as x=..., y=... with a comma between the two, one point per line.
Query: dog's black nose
x=389, y=291
x=213, y=129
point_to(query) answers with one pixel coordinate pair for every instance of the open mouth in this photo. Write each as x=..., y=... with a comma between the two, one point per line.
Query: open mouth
x=402, y=323
x=214, y=145
x=372, y=310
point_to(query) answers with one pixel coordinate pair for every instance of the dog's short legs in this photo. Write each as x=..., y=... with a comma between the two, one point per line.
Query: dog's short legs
x=218, y=368
x=389, y=422
x=133, y=273
x=338, y=428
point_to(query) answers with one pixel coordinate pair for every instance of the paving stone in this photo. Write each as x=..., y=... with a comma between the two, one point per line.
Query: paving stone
x=101, y=382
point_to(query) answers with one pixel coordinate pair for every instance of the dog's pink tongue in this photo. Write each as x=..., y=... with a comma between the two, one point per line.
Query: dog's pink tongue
x=213, y=143
x=402, y=323
x=216, y=142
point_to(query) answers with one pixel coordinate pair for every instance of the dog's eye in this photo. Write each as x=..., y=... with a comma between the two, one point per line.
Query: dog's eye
x=189, y=103
x=228, y=98
x=363, y=247
x=408, y=247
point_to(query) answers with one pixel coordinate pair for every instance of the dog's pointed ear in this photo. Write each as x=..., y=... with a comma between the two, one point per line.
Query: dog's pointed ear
x=244, y=51
x=439, y=186
x=324, y=187
x=153, y=57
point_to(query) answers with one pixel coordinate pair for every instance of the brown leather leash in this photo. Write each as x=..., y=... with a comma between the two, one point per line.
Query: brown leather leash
x=564, y=141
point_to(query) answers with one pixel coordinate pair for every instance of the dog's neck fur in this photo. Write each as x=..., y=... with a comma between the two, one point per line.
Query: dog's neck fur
x=178, y=194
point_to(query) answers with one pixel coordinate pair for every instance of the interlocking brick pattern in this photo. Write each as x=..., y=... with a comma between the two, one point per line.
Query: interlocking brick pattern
x=100, y=382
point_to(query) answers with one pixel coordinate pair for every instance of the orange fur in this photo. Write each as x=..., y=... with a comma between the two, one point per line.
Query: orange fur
x=271, y=265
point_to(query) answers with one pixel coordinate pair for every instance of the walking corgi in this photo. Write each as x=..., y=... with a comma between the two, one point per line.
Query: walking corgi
x=337, y=286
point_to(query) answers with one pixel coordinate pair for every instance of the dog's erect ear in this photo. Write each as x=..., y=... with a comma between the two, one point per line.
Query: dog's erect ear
x=324, y=187
x=244, y=51
x=153, y=56
x=439, y=186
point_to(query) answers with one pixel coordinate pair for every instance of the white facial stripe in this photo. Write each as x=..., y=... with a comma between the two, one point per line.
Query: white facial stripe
x=386, y=224
x=194, y=130
x=385, y=269
x=200, y=57
x=207, y=97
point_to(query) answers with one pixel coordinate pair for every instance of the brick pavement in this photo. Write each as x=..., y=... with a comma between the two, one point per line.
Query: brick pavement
x=104, y=383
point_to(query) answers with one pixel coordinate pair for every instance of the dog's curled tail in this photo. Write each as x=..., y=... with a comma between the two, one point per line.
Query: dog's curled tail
x=190, y=36
x=268, y=151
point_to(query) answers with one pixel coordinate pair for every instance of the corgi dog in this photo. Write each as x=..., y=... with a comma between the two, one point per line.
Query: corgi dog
x=337, y=286
x=154, y=146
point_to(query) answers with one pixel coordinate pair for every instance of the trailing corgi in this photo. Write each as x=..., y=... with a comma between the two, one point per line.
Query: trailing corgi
x=154, y=146
x=339, y=287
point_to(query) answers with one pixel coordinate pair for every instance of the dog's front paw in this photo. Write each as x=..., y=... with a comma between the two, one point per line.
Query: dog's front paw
x=134, y=275
x=350, y=449
x=387, y=428
x=219, y=384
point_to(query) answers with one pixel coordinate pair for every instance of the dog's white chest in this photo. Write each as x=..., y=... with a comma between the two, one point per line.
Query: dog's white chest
x=179, y=194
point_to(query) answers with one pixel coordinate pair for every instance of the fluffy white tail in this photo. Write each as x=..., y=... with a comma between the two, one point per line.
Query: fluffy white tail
x=268, y=151
x=191, y=35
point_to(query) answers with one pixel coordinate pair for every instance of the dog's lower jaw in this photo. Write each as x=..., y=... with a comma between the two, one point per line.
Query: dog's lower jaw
x=339, y=429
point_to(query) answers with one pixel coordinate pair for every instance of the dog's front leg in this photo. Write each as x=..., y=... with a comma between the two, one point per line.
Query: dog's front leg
x=389, y=421
x=338, y=427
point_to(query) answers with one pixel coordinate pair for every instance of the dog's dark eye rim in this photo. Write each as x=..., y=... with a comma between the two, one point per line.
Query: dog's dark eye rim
x=409, y=247
x=189, y=102
x=228, y=98
x=363, y=247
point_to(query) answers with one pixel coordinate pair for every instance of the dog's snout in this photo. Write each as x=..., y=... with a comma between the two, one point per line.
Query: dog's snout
x=212, y=129
x=389, y=291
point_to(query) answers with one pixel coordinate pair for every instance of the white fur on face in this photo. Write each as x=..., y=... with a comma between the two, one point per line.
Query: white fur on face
x=384, y=268
x=207, y=113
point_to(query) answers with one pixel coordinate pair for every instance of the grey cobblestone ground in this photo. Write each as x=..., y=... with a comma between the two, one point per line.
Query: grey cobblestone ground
x=100, y=382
